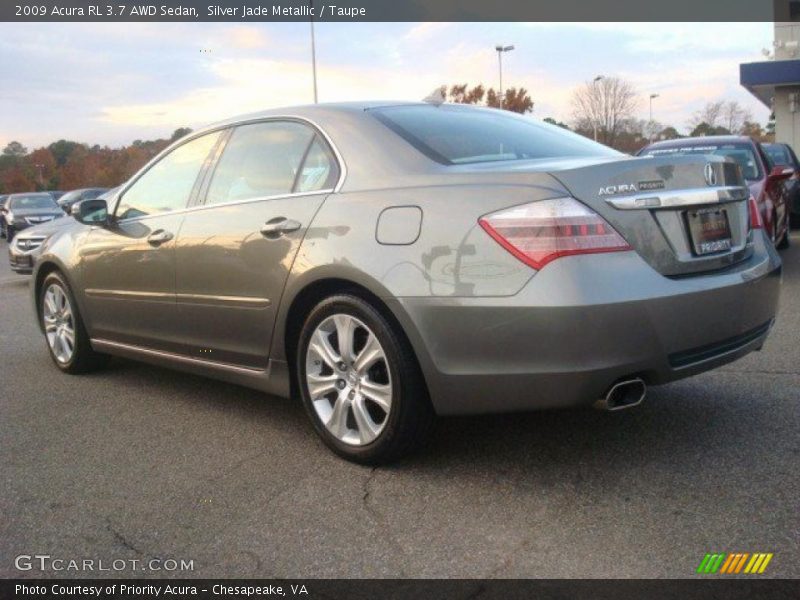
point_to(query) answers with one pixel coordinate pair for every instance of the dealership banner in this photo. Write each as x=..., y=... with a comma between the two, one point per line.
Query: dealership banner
x=390, y=589
x=398, y=10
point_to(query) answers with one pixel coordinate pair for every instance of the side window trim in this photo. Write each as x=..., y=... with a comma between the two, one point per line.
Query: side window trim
x=223, y=134
x=198, y=197
x=302, y=164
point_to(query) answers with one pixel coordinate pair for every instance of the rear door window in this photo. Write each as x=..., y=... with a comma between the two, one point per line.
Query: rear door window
x=272, y=158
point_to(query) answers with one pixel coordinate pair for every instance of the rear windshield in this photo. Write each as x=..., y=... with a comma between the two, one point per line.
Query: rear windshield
x=742, y=153
x=32, y=201
x=455, y=135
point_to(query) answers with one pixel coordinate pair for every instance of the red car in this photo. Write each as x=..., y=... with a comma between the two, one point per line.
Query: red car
x=771, y=202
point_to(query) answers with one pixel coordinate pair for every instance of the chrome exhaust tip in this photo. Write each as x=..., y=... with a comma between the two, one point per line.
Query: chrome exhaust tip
x=623, y=394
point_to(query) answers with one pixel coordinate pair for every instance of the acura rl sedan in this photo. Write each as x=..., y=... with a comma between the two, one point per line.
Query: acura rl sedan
x=391, y=263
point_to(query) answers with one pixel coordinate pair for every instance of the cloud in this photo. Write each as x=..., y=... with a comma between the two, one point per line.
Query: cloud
x=423, y=31
x=111, y=83
x=245, y=36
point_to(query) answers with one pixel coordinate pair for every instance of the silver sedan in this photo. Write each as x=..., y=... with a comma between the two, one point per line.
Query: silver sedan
x=390, y=263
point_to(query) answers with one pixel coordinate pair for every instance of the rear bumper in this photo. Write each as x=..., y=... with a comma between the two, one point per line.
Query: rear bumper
x=584, y=322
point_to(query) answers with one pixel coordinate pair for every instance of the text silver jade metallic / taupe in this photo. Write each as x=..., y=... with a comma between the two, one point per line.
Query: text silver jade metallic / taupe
x=388, y=263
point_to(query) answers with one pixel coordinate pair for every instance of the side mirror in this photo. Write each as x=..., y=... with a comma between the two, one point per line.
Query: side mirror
x=780, y=173
x=94, y=211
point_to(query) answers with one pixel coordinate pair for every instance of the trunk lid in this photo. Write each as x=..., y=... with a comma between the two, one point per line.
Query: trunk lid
x=651, y=200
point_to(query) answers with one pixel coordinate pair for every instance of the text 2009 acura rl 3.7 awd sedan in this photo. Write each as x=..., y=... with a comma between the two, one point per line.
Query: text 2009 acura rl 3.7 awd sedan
x=389, y=263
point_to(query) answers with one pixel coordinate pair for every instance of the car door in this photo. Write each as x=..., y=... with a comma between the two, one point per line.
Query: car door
x=129, y=265
x=234, y=252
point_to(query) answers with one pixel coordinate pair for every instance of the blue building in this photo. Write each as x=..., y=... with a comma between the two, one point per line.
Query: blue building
x=776, y=82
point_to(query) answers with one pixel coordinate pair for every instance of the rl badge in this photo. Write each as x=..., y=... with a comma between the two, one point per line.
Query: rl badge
x=735, y=562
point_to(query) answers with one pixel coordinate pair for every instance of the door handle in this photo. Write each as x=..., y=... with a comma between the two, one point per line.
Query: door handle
x=158, y=237
x=275, y=228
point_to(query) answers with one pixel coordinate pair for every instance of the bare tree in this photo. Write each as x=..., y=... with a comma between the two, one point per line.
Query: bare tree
x=709, y=114
x=722, y=116
x=603, y=106
x=735, y=116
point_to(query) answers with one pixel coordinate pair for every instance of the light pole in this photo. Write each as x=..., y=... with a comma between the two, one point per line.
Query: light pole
x=40, y=177
x=313, y=50
x=500, y=49
x=594, y=121
x=650, y=137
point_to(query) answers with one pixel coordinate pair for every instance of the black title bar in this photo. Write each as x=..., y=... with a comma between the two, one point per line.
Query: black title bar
x=646, y=11
x=733, y=588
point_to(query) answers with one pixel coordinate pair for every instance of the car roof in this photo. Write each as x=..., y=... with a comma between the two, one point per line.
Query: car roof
x=366, y=149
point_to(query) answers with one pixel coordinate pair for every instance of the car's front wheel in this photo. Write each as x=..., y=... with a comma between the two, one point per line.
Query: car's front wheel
x=64, y=330
x=360, y=384
x=9, y=233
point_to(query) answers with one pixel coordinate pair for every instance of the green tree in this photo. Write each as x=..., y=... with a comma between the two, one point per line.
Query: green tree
x=552, y=121
x=61, y=150
x=15, y=149
x=703, y=128
x=179, y=133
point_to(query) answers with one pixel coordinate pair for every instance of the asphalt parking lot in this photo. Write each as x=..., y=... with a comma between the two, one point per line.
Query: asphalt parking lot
x=138, y=462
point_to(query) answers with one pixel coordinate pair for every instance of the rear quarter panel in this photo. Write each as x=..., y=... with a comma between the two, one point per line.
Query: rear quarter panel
x=452, y=257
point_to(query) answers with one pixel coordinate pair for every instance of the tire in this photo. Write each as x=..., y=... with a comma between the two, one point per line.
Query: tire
x=9, y=233
x=785, y=240
x=379, y=372
x=2, y=228
x=77, y=357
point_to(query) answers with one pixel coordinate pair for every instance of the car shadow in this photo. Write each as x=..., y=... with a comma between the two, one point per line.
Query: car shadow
x=673, y=428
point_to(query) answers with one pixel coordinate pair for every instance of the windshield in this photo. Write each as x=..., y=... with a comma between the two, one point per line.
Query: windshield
x=742, y=153
x=459, y=135
x=32, y=201
x=777, y=154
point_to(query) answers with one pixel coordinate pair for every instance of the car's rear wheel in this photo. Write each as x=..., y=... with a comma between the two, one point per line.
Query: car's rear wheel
x=64, y=330
x=785, y=242
x=360, y=384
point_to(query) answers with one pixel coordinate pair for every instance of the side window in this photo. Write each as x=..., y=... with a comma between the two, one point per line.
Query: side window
x=264, y=159
x=319, y=171
x=167, y=185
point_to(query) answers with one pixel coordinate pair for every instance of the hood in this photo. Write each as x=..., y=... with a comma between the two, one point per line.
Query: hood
x=46, y=229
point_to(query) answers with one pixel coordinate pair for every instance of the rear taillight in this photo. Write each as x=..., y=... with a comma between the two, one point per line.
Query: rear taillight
x=540, y=232
x=755, y=220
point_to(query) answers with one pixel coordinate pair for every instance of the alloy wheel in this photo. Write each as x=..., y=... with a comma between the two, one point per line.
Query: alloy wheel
x=348, y=379
x=59, y=323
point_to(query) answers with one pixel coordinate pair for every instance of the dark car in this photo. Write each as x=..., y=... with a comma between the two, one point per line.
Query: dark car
x=764, y=180
x=67, y=200
x=783, y=155
x=25, y=210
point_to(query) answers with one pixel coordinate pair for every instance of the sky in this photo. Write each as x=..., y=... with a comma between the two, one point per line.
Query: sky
x=112, y=83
